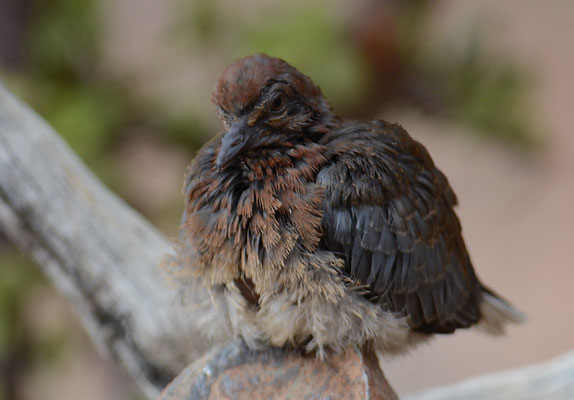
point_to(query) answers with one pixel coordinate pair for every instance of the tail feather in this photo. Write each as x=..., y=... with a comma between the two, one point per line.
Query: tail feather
x=497, y=313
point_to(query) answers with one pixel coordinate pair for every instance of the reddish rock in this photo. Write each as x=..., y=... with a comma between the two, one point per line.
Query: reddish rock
x=236, y=372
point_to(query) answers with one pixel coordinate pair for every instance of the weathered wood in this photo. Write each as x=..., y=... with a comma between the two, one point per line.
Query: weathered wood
x=100, y=254
x=553, y=380
x=236, y=372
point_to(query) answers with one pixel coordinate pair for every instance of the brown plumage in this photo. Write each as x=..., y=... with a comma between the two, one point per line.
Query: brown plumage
x=320, y=232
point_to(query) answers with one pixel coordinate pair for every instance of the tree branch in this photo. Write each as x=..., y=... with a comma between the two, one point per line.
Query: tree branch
x=96, y=250
x=553, y=380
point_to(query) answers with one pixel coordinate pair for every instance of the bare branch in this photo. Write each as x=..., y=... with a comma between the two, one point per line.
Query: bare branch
x=553, y=380
x=99, y=253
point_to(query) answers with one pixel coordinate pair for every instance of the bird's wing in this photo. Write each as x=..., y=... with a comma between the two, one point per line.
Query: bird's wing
x=388, y=211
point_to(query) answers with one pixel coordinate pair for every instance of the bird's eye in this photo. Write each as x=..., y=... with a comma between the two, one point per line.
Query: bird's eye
x=278, y=103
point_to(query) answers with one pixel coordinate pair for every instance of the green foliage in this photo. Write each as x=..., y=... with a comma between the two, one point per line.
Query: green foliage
x=313, y=38
x=61, y=79
x=189, y=130
x=479, y=90
x=87, y=118
x=17, y=278
x=62, y=40
x=197, y=21
x=488, y=94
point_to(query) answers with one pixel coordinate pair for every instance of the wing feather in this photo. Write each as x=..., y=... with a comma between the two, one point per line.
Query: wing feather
x=388, y=211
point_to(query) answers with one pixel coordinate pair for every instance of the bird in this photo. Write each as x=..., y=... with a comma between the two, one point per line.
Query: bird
x=317, y=232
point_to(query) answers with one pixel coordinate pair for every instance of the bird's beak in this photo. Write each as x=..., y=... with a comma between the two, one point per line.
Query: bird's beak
x=237, y=138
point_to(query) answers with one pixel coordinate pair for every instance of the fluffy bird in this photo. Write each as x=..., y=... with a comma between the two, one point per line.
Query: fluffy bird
x=318, y=232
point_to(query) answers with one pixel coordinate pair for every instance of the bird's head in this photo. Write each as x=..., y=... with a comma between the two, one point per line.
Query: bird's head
x=263, y=102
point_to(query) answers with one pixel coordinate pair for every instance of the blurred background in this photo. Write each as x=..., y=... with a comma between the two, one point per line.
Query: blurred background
x=487, y=86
